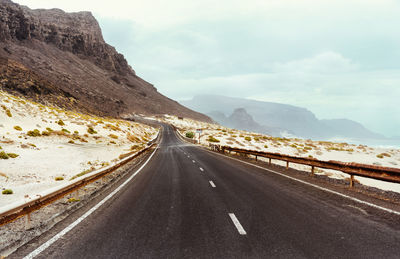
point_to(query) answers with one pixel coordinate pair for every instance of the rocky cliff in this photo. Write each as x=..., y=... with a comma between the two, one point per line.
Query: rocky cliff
x=66, y=52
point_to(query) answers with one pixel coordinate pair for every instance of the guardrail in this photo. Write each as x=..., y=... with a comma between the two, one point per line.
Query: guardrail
x=388, y=174
x=20, y=210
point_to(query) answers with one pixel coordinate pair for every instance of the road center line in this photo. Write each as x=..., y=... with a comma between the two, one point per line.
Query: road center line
x=212, y=184
x=201, y=169
x=193, y=161
x=315, y=186
x=44, y=246
x=237, y=224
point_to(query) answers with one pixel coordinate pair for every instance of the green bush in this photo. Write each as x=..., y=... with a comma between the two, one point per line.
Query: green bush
x=33, y=133
x=12, y=155
x=212, y=139
x=66, y=131
x=189, y=134
x=90, y=130
x=3, y=155
x=7, y=191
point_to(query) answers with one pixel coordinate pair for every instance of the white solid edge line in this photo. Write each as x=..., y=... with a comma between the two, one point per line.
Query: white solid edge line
x=44, y=246
x=237, y=224
x=201, y=169
x=318, y=187
x=212, y=184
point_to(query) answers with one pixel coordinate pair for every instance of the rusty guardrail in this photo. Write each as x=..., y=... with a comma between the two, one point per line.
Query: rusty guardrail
x=27, y=208
x=388, y=174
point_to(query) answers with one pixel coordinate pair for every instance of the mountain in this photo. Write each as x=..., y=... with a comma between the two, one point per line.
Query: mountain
x=56, y=57
x=275, y=118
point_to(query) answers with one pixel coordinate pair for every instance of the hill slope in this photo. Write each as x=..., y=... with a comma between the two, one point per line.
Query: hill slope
x=67, y=54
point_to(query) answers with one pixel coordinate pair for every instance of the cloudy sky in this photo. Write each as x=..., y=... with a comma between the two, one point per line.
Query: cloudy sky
x=338, y=58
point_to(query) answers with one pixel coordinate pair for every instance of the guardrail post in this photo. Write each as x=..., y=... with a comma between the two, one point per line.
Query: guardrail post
x=256, y=158
x=351, y=181
x=270, y=161
x=312, y=170
x=287, y=165
x=28, y=221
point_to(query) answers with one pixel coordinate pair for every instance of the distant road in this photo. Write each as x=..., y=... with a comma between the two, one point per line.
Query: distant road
x=189, y=203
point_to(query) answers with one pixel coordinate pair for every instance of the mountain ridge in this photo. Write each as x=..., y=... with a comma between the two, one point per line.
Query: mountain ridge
x=278, y=119
x=67, y=50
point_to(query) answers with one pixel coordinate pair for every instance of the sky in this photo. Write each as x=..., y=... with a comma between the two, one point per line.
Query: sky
x=337, y=58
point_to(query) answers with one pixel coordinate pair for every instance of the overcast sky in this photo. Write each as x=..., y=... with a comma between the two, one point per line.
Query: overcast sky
x=338, y=58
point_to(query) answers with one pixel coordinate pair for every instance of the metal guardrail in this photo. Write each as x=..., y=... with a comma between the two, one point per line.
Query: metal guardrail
x=388, y=174
x=26, y=208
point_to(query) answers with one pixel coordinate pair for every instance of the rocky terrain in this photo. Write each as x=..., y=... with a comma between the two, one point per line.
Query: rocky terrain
x=62, y=58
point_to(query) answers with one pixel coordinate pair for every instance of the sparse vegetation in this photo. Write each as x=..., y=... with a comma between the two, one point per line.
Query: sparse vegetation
x=113, y=136
x=18, y=128
x=34, y=133
x=59, y=178
x=7, y=192
x=12, y=155
x=60, y=122
x=3, y=155
x=212, y=139
x=70, y=200
x=82, y=173
x=90, y=130
x=247, y=138
x=189, y=134
x=66, y=131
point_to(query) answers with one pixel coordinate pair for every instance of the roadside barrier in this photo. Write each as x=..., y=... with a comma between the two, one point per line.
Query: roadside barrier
x=16, y=211
x=387, y=174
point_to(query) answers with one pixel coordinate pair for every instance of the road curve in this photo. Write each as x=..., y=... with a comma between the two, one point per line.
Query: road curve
x=189, y=203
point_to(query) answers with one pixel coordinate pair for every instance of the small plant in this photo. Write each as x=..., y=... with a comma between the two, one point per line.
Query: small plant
x=60, y=122
x=256, y=139
x=76, y=132
x=49, y=129
x=70, y=200
x=212, y=139
x=7, y=191
x=66, y=131
x=247, y=138
x=189, y=134
x=90, y=130
x=113, y=136
x=3, y=155
x=265, y=146
x=12, y=155
x=71, y=142
x=33, y=133
x=45, y=133
x=17, y=128
x=112, y=142
x=382, y=155
x=59, y=178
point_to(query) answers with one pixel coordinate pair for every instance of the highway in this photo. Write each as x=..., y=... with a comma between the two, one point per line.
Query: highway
x=187, y=202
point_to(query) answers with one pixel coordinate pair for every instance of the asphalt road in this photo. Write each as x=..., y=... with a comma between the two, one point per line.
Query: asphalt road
x=190, y=203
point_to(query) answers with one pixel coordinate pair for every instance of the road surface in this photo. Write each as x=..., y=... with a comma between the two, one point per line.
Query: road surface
x=190, y=203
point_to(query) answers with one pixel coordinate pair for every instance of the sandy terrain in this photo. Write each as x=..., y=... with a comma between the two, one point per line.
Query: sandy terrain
x=42, y=146
x=322, y=150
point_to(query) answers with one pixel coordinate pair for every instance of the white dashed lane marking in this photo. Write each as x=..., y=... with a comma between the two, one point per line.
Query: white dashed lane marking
x=201, y=169
x=237, y=224
x=193, y=161
x=212, y=184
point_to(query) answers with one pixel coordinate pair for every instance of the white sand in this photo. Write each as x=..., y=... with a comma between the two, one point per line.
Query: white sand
x=43, y=158
x=320, y=150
